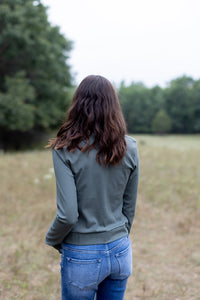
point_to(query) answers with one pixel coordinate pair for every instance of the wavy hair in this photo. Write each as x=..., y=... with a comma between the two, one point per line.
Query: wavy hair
x=95, y=110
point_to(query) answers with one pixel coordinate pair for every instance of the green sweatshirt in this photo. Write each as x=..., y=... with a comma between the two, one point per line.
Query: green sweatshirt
x=95, y=204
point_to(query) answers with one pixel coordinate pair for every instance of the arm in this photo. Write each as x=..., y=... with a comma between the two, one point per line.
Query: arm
x=67, y=210
x=130, y=193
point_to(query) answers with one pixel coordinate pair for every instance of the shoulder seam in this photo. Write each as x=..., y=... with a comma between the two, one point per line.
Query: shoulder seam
x=131, y=138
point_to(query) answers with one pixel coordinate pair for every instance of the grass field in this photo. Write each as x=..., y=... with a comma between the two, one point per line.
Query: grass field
x=165, y=234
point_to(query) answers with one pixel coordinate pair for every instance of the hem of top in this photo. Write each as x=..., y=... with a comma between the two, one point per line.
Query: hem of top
x=50, y=244
x=92, y=238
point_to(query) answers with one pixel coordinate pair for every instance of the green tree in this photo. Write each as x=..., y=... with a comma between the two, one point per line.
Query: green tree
x=16, y=105
x=134, y=101
x=31, y=46
x=161, y=122
x=139, y=105
x=179, y=104
x=195, y=124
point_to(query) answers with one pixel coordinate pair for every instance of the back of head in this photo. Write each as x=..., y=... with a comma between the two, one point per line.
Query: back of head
x=96, y=111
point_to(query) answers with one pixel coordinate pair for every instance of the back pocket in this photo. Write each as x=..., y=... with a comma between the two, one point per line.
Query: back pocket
x=124, y=259
x=83, y=273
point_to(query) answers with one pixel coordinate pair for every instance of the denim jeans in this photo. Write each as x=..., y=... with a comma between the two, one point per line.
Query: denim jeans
x=98, y=271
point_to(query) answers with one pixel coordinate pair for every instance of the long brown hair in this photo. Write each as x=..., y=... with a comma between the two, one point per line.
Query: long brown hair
x=95, y=110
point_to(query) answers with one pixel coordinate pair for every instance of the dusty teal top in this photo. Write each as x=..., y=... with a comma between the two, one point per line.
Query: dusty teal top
x=95, y=204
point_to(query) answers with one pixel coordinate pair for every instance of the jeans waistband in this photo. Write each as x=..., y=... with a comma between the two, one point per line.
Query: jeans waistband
x=96, y=247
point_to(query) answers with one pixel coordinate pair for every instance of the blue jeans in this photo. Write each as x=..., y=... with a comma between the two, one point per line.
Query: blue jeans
x=95, y=271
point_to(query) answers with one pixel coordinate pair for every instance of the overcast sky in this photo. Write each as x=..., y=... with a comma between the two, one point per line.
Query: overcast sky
x=152, y=41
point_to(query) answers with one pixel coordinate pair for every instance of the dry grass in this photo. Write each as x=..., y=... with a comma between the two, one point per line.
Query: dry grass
x=165, y=235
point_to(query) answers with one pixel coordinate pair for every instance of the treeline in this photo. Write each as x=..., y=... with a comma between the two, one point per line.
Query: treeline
x=36, y=83
x=174, y=109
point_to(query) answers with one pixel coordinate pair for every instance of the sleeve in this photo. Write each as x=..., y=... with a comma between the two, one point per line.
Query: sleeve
x=130, y=193
x=67, y=209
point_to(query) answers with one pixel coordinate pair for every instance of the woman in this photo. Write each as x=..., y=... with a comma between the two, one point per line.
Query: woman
x=96, y=169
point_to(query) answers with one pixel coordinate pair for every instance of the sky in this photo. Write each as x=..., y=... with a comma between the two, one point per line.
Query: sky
x=149, y=41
